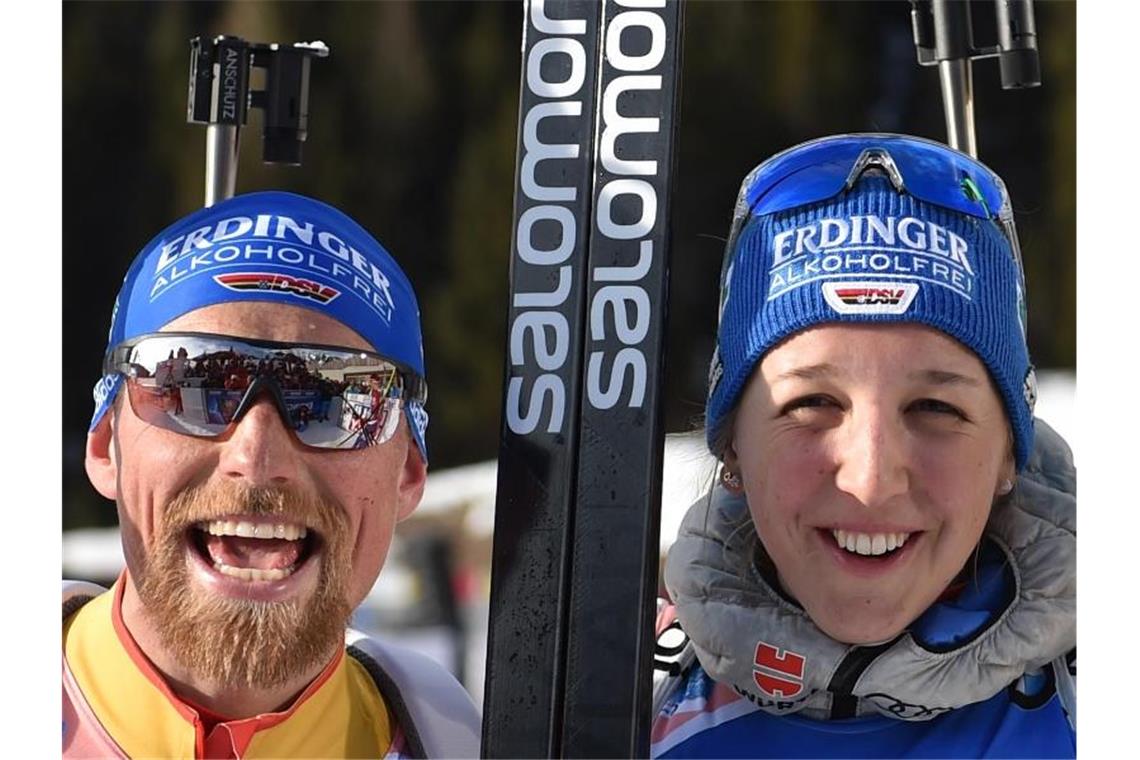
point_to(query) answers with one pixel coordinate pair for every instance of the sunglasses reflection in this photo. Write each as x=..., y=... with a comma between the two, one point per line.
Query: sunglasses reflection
x=331, y=401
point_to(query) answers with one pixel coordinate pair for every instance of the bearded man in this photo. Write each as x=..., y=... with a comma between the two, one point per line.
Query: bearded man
x=248, y=543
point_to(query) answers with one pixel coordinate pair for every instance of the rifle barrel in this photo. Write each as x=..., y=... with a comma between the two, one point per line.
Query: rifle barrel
x=221, y=162
x=957, y=79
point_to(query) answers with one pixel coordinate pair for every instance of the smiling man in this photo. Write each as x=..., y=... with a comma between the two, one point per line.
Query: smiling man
x=250, y=538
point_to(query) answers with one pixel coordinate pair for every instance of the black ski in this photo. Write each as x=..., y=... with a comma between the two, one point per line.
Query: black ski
x=574, y=566
x=534, y=505
x=609, y=649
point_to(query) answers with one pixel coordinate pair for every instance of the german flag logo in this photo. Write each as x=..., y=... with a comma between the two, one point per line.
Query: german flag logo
x=870, y=297
x=297, y=287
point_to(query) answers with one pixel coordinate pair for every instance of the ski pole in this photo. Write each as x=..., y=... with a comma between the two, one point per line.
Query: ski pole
x=944, y=37
x=220, y=97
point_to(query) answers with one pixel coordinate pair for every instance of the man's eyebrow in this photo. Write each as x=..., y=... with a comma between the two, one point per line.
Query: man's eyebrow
x=808, y=372
x=943, y=377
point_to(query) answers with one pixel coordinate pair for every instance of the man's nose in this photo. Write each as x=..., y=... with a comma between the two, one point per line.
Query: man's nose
x=873, y=465
x=260, y=448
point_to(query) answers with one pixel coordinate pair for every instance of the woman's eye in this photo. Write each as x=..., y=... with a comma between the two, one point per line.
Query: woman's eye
x=937, y=407
x=808, y=403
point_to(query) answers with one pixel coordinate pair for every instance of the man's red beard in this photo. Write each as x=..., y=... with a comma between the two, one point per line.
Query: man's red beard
x=243, y=642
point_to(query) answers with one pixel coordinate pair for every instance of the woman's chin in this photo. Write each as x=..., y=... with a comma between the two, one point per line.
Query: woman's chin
x=862, y=627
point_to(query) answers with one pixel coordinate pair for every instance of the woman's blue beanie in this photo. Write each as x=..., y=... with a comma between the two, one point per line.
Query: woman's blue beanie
x=873, y=254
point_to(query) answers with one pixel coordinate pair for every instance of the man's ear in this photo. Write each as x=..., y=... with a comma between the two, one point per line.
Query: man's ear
x=413, y=476
x=102, y=468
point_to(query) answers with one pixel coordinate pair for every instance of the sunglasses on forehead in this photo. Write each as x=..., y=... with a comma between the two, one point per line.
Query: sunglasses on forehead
x=200, y=385
x=821, y=169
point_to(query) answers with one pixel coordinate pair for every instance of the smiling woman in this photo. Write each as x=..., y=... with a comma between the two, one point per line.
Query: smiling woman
x=869, y=486
x=889, y=551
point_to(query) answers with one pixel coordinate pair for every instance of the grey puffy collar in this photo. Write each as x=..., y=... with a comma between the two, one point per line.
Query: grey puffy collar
x=730, y=612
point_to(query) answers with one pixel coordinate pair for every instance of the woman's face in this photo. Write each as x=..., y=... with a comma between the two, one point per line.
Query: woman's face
x=854, y=439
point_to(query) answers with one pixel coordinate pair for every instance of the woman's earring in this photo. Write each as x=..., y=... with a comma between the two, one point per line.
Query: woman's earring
x=1006, y=487
x=731, y=480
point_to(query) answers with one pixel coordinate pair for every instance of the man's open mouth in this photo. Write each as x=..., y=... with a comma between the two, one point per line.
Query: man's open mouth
x=253, y=549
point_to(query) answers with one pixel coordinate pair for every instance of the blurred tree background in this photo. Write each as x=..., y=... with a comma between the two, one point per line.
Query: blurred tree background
x=412, y=132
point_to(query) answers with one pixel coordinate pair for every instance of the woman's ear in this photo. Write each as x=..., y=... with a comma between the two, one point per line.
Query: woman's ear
x=102, y=469
x=731, y=462
x=730, y=471
x=1007, y=476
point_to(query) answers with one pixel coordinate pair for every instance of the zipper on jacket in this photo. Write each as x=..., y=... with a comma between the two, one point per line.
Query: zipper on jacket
x=857, y=660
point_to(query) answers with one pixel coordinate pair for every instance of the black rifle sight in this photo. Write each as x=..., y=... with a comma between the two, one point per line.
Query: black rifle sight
x=220, y=97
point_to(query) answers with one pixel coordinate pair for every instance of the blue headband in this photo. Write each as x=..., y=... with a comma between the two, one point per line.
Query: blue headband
x=276, y=247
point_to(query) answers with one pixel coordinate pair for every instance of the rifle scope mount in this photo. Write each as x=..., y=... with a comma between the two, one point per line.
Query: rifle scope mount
x=944, y=37
x=220, y=97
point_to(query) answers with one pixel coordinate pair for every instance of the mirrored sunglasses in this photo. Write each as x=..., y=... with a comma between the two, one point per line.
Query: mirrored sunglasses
x=200, y=385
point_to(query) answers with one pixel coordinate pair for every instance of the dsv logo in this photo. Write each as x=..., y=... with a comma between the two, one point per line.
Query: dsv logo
x=282, y=283
x=541, y=324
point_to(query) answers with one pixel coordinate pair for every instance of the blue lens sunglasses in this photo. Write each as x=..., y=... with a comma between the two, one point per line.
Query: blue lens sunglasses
x=821, y=169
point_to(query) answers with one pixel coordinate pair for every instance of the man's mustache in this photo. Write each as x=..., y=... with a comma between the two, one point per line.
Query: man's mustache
x=220, y=499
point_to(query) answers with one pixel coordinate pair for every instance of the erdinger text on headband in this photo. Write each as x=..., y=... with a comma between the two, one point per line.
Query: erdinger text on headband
x=200, y=385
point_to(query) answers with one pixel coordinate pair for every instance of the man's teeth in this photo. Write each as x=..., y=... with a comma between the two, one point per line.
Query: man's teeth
x=246, y=529
x=253, y=573
x=870, y=544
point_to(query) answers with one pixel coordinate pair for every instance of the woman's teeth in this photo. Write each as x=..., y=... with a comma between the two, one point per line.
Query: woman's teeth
x=869, y=544
x=245, y=529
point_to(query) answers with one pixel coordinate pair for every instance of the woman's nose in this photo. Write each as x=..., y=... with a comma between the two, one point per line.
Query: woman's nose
x=872, y=464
